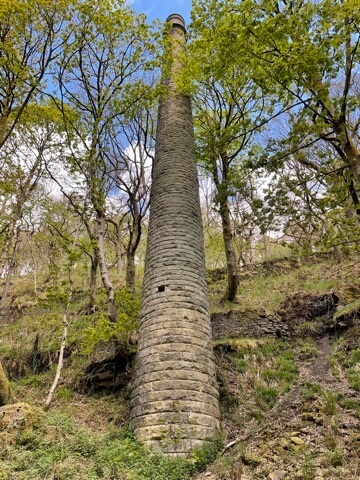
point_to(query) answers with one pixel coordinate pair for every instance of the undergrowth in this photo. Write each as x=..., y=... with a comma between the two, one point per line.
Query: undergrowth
x=86, y=437
x=58, y=449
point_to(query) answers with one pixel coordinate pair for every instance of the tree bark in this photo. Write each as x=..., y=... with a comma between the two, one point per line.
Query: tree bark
x=3, y=123
x=231, y=262
x=59, y=367
x=104, y=270
x=130, y=270
x=5, y=253
x=338, y=254
x=266, y=245
x=9, y=272
x=350, y=149
x=134, y=239
x=92, y=283
x=118, y=249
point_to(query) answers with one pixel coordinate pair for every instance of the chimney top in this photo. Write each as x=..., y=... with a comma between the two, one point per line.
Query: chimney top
x=176, y=20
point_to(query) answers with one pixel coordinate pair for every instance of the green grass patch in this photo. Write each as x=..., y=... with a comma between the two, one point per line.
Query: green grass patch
x=61, y=450
x=348, y=361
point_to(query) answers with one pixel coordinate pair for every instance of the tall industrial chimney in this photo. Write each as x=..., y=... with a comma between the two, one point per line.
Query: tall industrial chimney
x=174, y=403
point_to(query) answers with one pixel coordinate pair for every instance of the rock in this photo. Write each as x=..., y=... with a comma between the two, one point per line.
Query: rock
x=283, y=443
x=250, y=459
x=297, y=440
x=277, y=475
x=16, y=418
x=4, y=388
x=308, y=416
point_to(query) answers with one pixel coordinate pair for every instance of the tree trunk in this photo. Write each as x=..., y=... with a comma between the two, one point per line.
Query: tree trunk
x=338, y=254
x=118, y=249
x=343, y=133
x=9, y=272
x=34, y=271
x=4, y=388
x=231, y=262
x=134, y=239
x=130, y=270
x=266, y=245
x=354, y=197
x=3, y=123
x=104, y=270
x=92, y=284
x=350, y=149
x=5, y=253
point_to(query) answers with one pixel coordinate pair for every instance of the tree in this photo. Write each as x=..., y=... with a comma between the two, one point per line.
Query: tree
x=31, y=38
x=35, y=141
x=304, y=56
x=305, y=51
x=101, y=76
x=130, y=159
x=231, y=109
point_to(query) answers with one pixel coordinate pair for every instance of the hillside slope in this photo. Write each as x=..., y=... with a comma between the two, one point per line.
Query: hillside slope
x=288, y=368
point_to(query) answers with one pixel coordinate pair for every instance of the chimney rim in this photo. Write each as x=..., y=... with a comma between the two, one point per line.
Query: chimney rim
x=176, y=20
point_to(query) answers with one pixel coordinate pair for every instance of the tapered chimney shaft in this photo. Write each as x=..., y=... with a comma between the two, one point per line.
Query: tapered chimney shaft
x=174, y=403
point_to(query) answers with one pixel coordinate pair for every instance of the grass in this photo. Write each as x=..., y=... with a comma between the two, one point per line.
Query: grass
x=59, y=449
x=347, y=361
x=267, y=292
x=86, y=437
x=265, y=370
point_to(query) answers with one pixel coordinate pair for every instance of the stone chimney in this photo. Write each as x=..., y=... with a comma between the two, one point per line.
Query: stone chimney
x=174, y=401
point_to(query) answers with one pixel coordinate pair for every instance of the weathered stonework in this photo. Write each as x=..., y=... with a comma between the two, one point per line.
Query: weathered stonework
x=248, y=323
x=174, y=404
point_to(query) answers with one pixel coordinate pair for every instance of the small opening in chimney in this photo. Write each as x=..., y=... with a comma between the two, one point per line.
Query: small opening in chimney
x=161, y=288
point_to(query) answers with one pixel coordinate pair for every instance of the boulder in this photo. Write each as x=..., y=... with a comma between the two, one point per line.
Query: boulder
x=16, y=418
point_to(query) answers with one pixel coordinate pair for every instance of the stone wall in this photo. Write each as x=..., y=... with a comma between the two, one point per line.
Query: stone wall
x=174, y=403
x=247, y=323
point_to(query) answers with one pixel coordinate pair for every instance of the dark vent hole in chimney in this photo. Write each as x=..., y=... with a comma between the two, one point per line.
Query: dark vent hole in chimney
x=161, y=288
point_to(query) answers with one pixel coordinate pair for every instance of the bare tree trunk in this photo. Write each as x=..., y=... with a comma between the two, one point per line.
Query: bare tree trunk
x=5, y=253
x=92, y=284
x=338, y=254
x=266, y=245
x=119, y=263
x=134, y=239
x=350, y=149
x=104, y=270
x=10, y=272
x=354, y=197
x=59, y=367
x=34, y=272
x=231, y=262
x=130, y=270
x=3, y=123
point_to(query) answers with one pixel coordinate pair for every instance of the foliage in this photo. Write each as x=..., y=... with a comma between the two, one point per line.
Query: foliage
x=105, y=331
x=347, y=361
x=299, y=63
x=58, y=448
x=31, y=40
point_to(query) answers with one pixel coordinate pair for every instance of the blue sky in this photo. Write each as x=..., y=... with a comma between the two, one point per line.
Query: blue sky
x=162, y=8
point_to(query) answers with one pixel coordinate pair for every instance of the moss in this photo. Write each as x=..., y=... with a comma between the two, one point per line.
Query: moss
x=16, y=419
x=350, y=310
x=5, y=395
